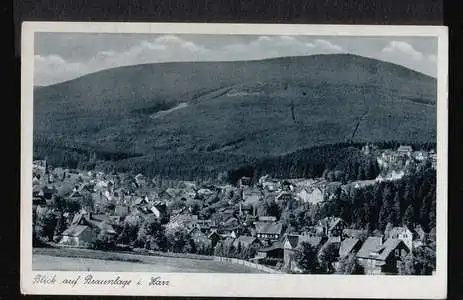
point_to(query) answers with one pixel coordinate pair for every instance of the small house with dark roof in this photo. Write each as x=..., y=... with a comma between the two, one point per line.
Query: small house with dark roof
x=98, y=223
x=312, y=231
x=214, y=237
x=377, y=257
x=245, y=181
x=78, y=236
x=205, y=225
x=40, y=164
x=404, y=149
x=314, y=241
x=121, y=211
x=199, y=237
x=38, y=201
x=231, y=222
x=251, y=198
x=353, y=233
x=287, y=186
x=168, y=193
x=332, y=227
x=268, y=230
x=227, y=213
x=48, y=191
x=285, y=197
x=36, y=180
x=273, y=252
x=420, y=155
x=140, y=201
x=159, y=209
x=246, y=242
x=37, y=191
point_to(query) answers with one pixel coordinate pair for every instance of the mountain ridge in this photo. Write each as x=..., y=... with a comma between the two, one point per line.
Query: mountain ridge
x=234, y=61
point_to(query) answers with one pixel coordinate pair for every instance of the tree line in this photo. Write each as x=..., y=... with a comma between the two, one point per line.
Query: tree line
x=241, y=251
x=341, y=161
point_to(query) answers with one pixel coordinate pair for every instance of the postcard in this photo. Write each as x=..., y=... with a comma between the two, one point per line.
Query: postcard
x=247, y=160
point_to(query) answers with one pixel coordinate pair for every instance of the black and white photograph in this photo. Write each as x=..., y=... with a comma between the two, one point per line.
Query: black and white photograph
x=291, y=153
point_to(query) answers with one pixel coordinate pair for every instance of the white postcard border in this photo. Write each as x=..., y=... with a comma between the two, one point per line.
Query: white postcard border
x=239, y=285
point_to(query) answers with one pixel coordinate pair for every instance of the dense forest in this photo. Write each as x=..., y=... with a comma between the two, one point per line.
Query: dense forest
x=68, y=155
x=410, y=201
x=336, y=162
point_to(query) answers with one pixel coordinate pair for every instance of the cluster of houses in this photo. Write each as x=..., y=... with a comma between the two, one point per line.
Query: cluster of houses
x=376, y=254
x=106, y=200
x=395, y=162
x=273, y=244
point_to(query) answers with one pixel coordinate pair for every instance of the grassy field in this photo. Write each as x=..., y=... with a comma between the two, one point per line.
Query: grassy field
x=55, y=260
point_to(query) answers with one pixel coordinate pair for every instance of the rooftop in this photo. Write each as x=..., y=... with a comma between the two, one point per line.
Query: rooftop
x=347, y=246
x=74, y=230
x=371, y=244
x=404, y=148
x=296, y=240
x=244, y=240
x=268, y=227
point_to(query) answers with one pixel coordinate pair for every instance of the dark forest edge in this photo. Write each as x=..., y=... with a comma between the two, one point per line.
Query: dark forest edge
x=344, y=161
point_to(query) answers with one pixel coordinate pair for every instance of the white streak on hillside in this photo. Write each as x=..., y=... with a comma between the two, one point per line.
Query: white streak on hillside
x=162, y=113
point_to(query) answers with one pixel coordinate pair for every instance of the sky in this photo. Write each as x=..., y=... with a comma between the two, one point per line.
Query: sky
x=64, y=56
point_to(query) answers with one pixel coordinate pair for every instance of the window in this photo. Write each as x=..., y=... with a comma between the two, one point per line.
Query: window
x=397, y=252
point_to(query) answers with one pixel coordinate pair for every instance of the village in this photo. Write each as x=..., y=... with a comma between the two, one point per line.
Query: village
x=272, y=222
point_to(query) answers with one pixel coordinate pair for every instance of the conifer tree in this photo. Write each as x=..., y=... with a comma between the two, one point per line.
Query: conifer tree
x=239, y=251
x=386, y=209
x=424, y=211
x=60, y=225
x=408, y=218
x=432, y=212
x=360, y=173
x=396, y=212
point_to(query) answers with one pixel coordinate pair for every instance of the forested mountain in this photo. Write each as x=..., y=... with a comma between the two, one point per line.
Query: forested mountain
x=195, y=119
